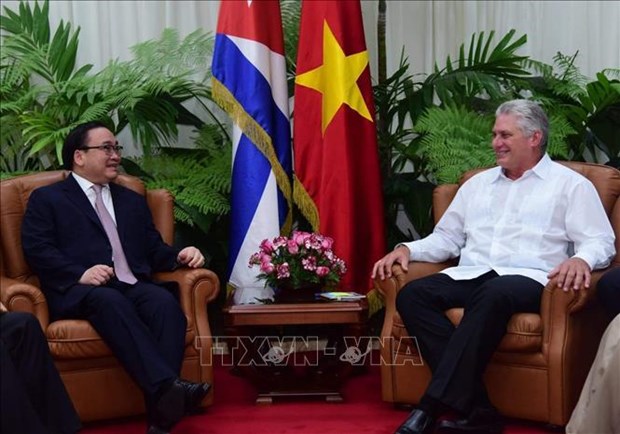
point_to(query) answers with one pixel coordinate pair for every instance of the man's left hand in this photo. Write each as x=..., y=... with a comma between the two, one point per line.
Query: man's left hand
x=572, y=273
x=191, y=257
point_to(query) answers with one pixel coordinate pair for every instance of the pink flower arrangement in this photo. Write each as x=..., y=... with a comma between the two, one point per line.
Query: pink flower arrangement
x=302, y=259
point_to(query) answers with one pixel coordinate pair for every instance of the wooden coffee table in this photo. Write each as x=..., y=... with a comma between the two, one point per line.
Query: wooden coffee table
x=264, y=341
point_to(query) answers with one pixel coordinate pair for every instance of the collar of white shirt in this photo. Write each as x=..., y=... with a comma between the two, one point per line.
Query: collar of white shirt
x=541, y=169
x=85, y=184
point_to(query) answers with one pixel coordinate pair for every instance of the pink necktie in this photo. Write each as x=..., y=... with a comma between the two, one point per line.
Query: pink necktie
x=121, y=267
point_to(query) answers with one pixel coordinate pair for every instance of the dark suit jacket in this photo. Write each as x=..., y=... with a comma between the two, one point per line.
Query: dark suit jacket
x=62, y=237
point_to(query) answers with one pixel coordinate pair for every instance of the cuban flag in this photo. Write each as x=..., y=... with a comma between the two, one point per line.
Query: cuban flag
x=249, y=83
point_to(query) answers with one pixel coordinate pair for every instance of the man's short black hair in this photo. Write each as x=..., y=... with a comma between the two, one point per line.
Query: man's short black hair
x=76, y=139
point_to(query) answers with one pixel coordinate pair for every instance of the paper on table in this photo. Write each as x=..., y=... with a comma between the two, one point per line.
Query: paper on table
x=342, y=296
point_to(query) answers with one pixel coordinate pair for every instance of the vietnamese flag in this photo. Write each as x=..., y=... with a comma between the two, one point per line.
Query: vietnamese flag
x=337, y=178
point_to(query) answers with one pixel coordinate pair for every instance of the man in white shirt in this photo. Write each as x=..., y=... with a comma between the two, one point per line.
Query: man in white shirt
x=514, y=227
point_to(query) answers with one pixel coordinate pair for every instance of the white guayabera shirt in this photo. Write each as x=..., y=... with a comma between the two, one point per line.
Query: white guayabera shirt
x=527, y=226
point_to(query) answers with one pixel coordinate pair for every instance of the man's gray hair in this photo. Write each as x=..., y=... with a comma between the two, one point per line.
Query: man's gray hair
x=530, y=118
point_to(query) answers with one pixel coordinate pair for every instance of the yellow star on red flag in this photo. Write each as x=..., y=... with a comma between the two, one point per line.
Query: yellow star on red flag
x=337, y=78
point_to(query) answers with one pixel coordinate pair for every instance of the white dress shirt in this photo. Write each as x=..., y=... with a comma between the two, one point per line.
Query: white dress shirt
x=89, y=191
x=527, y=226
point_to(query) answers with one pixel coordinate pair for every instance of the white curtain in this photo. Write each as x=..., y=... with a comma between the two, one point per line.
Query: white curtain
x=110, y=28
x=428, y=30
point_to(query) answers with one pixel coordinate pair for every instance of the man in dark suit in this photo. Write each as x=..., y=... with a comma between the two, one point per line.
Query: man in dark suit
x=94, y=246
x=33, y=399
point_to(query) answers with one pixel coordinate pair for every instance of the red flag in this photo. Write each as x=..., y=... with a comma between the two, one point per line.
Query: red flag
x=338, y=182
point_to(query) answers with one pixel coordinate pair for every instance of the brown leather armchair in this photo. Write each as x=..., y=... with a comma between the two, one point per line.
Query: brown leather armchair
x=541, y=364
x=99, y=387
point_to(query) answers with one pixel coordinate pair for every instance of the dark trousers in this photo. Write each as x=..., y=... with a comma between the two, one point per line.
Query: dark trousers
x=458, y=356
x=608, y=291
x=33, y=399
x=143, y=325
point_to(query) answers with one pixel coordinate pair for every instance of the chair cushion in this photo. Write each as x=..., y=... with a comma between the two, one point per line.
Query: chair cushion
x=523, y=333
x=77, y=339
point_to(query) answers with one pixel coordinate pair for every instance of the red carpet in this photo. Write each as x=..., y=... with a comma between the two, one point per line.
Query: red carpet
x=234, y=412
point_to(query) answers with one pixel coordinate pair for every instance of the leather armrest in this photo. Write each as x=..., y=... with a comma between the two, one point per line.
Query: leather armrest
x=556, y=305
x=570, y=301
x=23, y=297
x=197, y=288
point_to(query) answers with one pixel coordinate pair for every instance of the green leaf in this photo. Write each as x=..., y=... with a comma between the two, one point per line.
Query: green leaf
x=25, y=14
x=66, y=63
x=10, y=22
x=41, y=25
x=455, y=140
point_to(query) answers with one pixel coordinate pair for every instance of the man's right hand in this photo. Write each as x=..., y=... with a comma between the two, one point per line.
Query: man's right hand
x=97, y=275
x=383, y=267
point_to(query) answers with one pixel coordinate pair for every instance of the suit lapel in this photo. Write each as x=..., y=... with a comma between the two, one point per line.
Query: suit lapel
x=76, y=195
x=121, y=210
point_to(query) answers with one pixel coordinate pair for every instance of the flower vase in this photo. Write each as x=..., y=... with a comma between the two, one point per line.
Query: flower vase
x=302, y=294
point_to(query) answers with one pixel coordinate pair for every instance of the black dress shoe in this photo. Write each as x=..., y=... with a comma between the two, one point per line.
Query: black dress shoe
x=194, y=394
x=169, y=408
x=480, y=421
x=418, y=422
